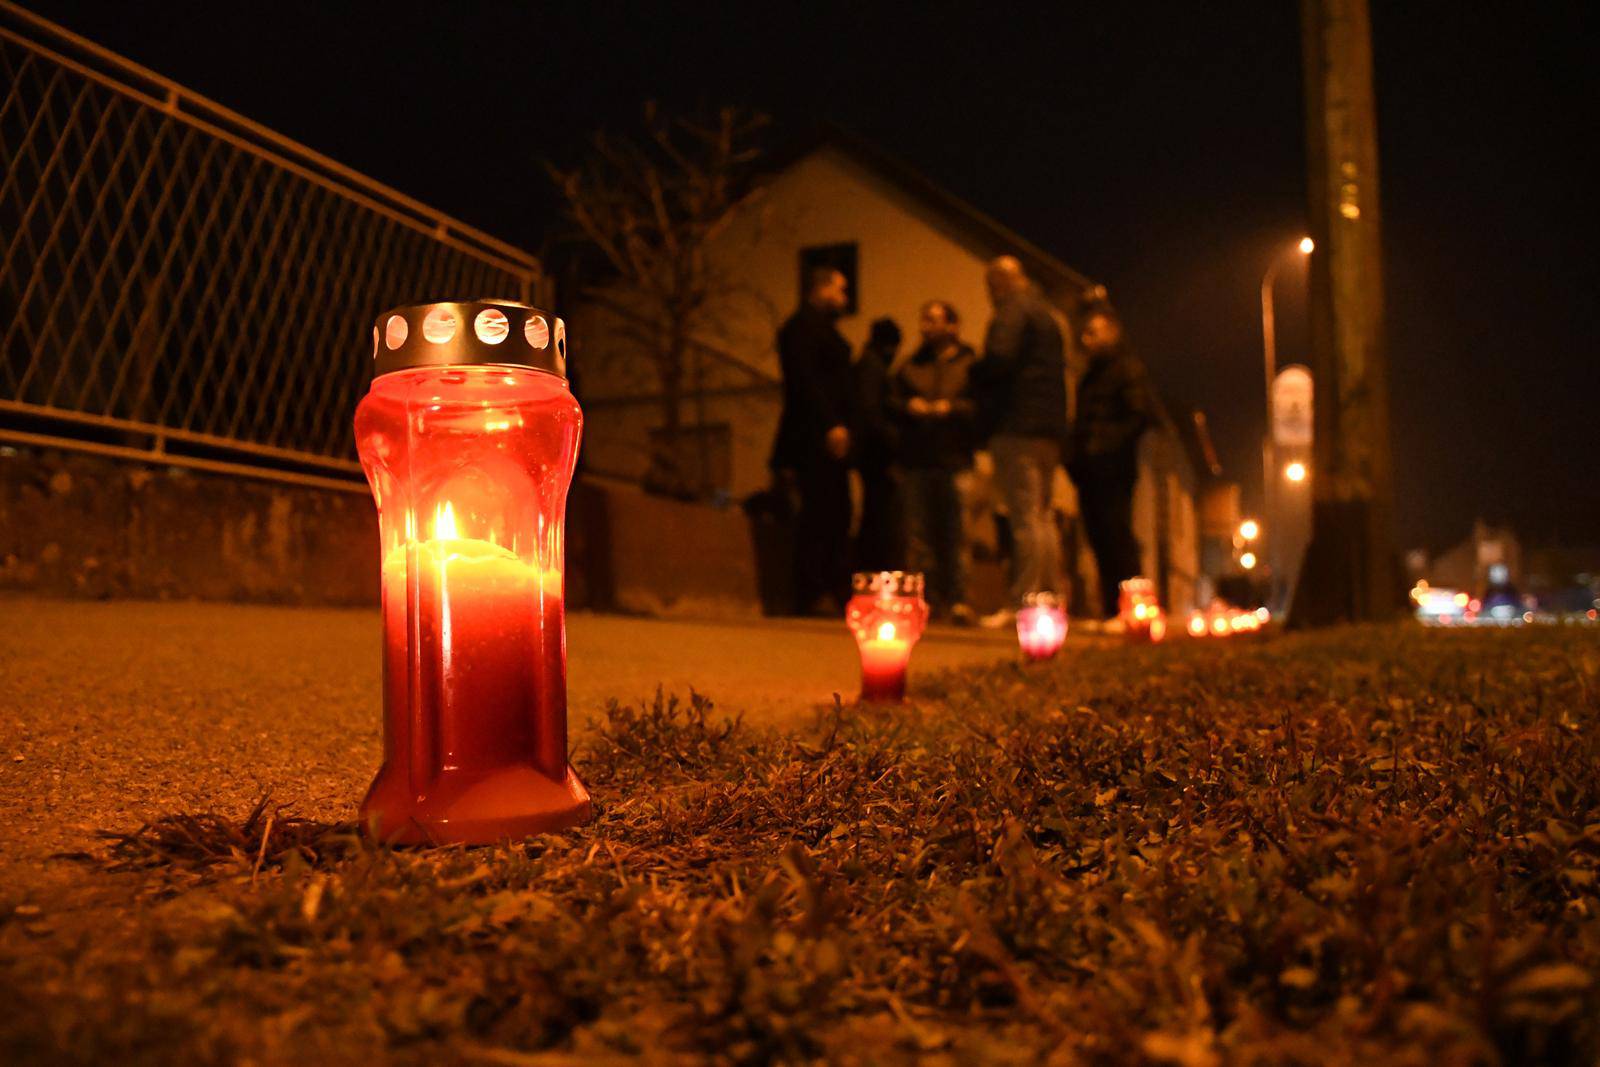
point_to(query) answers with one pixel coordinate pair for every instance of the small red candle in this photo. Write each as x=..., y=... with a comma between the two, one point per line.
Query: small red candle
x=887, y=615
x=1041, y=626
x=468, y=436
x=1143, y=619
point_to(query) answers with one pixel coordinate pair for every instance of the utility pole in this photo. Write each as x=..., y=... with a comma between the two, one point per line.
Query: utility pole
x=1350, y=571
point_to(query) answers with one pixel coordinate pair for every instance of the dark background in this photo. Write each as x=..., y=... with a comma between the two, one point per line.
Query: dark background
x=1158, y=149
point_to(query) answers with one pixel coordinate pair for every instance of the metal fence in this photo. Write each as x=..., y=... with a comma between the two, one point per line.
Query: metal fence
x=182, y=284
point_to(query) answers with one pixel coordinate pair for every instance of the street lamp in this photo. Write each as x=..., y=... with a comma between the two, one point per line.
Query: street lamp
x=1269, y=335
x=1247, y=560
x=1249, y=530
x=1295, y=472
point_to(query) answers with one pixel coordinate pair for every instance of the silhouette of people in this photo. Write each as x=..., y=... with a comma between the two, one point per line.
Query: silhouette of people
x=1022, y=384
x=813, y=441
x=880, y=542
x=936, y=414
x=1115, y=408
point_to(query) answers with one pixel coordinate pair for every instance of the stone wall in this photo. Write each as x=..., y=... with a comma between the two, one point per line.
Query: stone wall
x=81, y=525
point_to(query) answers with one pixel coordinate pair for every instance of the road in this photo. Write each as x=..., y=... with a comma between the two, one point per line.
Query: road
x=112, y=713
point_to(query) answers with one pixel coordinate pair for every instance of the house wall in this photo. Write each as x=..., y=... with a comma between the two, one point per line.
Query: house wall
x=906, y=255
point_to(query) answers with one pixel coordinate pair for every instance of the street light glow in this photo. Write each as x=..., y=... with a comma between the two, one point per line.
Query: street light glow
x=1249, y=529
x=1307, y=246
x=1295, y=472
x=1248, y=561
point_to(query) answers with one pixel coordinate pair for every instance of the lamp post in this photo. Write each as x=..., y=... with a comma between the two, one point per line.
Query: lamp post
x=1269, y=336
x=1269, y=361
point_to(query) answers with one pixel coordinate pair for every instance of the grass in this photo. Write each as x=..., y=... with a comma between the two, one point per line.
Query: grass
x=1370, y=845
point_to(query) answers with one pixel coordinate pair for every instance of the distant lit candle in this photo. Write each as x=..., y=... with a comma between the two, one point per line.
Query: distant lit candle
x=1142, y=616
x=1041, y=626
x=887, y=615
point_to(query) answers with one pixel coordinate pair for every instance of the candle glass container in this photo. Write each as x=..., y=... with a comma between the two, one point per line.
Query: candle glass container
x=1041, y=625
x=887, y=614
x=469, y=436
x=1143, y=619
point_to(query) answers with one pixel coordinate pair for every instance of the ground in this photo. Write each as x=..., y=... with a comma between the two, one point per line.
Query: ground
x=117, y=712
x=1370, y=844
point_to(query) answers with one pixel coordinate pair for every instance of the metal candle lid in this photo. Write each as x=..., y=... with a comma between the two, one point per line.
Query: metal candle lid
x=887, y=583
x=469, y=332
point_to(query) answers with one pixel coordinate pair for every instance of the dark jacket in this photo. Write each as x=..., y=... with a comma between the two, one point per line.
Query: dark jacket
x=1115, y=407
x=943, y=442
x=1021, y=381
x=818, y=389
x=875, y=431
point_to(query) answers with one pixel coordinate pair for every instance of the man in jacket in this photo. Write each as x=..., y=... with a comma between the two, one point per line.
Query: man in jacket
x=814, y=437
x=1022, y=379
x=936, y=412
x=1115, y=407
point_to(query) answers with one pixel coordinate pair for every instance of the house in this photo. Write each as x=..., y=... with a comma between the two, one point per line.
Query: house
x=901, y=241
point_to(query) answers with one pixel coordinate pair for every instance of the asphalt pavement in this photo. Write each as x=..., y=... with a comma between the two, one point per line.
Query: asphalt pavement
x=112, y=713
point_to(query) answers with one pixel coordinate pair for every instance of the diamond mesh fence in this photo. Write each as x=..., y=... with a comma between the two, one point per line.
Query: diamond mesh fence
x=178, y=281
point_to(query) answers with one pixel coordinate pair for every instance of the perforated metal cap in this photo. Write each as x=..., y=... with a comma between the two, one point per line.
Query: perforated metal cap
x=466, y=333
x=887, y=583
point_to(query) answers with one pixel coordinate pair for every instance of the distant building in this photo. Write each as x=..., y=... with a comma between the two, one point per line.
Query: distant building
x=901, y=241
x=1467, y=565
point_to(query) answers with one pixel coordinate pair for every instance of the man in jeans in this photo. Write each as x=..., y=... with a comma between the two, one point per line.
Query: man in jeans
x=929, y=397
x=1022, y=379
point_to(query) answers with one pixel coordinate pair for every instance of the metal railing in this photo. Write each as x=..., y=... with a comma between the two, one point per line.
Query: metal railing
x=181, y=284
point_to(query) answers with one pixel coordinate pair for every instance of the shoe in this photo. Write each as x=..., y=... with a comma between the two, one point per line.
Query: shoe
x=999, y=620
x=963, y=615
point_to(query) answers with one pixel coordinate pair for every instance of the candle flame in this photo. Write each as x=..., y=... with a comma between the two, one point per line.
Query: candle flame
x=444, y=523
x=886, y=632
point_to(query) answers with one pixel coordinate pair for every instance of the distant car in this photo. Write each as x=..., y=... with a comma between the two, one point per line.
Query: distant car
x=1502, y=604
x=1439, y=606
x=1575, y=603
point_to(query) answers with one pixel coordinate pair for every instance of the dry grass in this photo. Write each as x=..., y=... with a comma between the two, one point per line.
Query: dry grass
x=1374, y=846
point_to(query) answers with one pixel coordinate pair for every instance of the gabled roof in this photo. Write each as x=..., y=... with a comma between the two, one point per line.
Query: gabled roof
x=1057, y=280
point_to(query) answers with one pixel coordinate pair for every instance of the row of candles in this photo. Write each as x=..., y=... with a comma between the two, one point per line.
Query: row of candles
x=887, y=615
x=469, y=438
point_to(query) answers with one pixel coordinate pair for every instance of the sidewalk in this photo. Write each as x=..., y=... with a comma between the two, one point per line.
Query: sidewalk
x=115, y=712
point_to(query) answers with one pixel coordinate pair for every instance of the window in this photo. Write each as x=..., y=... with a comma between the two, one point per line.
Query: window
x=842, y=258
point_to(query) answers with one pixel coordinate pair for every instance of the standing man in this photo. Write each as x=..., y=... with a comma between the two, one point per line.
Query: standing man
x=813, y=441
x=936, y=413
x=880, y=544
x=1022, y=381
x=1115, y=408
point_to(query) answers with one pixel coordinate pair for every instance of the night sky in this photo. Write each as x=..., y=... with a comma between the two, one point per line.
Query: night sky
x=1158, y=149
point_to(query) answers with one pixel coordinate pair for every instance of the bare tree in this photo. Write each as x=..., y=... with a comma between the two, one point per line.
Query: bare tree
x=653, y=206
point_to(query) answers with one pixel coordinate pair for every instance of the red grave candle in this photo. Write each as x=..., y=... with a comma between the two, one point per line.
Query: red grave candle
x=1142, y=617
x=887, y=615
x=468, y=436
x=1041, y=626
